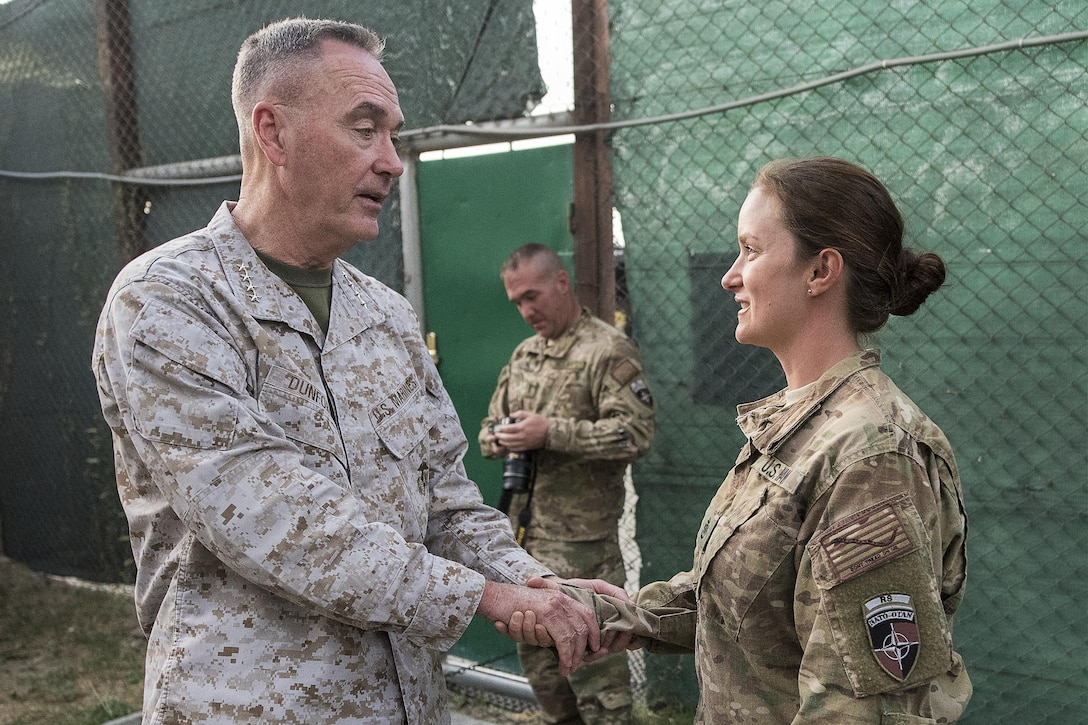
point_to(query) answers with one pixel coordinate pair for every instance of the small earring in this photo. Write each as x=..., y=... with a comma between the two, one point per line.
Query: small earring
x=810, y=291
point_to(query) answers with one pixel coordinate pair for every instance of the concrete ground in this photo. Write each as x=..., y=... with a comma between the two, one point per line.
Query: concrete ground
x=458, y=719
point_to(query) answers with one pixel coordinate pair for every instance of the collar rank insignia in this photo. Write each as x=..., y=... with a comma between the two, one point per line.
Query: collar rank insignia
x=893, y=633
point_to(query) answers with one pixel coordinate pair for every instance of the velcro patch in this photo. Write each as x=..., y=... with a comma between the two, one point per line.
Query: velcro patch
x=866, y=540
x=893, y=633
x=774, y=470
x=624, y=372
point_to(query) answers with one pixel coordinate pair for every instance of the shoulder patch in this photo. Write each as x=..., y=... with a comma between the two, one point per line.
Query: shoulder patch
x=866, y=540
x=624, y=372
x=893, y=633
x=642, y=392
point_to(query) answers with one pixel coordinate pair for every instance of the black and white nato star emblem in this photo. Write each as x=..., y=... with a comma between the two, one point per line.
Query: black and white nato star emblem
x=893, y=632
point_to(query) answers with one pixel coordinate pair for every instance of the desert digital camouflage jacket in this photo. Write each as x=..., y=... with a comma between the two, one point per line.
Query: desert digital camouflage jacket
x=828, y=565
x=306, y=541
x=589, y=383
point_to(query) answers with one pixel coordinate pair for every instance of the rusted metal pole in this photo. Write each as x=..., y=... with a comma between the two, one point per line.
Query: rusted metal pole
x=113, y=36
x=591, y=213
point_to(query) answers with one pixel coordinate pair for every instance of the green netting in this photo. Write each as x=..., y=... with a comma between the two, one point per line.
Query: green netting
x=61, y=238
x=986, y=156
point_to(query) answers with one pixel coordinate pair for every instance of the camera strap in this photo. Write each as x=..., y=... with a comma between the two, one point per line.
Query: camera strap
x=526, y=513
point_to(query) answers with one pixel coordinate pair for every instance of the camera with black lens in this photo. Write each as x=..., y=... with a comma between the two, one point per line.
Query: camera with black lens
x=517, y=471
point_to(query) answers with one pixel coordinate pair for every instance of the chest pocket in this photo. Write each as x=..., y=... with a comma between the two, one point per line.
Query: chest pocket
x=403, y=418
x=745, y=549
x=300, y=407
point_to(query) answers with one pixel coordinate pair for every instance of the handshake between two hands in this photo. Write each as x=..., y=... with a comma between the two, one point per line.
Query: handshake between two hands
x=541, y=614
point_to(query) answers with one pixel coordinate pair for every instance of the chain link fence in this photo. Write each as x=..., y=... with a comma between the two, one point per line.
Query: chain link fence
x=974, y=113
x=117, y=134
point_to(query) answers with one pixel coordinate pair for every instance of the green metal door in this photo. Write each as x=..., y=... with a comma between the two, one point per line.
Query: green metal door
x=473, y=212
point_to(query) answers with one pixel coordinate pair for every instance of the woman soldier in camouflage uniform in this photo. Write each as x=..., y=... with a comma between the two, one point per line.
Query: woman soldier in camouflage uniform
x=829, y=564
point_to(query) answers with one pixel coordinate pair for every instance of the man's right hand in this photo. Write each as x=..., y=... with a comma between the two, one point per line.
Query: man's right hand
x=528, y=432
x=523, y=626
x=571, y=626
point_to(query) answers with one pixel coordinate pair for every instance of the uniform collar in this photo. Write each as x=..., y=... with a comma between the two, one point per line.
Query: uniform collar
x=768, y=422
x=354, y=309
x=560, y=346
x=265, y=295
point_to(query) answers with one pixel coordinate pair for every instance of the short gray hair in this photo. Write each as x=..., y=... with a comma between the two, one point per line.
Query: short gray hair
x=276, y=51
x=545, y=258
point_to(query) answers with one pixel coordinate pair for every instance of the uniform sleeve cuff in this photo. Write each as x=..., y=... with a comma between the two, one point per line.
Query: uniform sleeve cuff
x=446, y=609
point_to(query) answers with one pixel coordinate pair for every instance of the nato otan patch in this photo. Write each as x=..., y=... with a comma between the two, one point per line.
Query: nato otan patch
x=893, y=632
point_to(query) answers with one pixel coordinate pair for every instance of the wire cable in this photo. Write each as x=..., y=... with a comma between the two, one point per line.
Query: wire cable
x=770, y=95
x=503, y=133
x=134, y=180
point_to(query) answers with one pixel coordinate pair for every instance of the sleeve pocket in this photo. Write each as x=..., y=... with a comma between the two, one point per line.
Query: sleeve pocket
x=181, y=388
x=881, y=598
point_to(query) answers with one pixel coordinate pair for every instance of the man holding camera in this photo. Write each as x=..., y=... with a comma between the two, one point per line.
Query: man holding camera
x=573, y=406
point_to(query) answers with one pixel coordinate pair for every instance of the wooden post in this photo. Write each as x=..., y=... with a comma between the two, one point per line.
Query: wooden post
x=591, y=213
x=113, y=36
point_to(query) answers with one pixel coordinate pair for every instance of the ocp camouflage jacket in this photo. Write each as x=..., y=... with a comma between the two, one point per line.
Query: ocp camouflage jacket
x=590, y=385
x=829, y=564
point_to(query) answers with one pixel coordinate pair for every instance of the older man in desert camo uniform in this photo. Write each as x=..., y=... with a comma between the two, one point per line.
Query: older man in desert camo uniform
x=306, y=541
